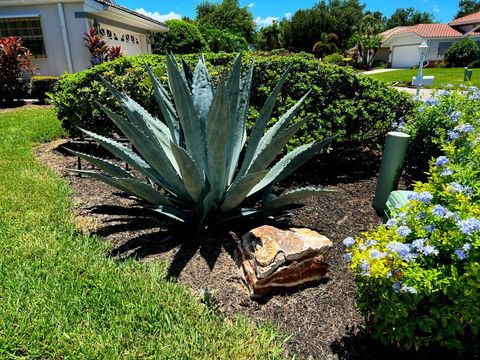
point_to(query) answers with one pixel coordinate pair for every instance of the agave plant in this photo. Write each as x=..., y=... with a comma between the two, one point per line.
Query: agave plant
x=192, y=167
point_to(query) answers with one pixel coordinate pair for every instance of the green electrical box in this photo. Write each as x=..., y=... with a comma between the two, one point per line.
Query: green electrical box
x=395, y=200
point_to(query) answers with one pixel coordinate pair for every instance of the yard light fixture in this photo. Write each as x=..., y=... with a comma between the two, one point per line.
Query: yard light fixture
x=422, y=51
x=96, y=26
x=421, y=80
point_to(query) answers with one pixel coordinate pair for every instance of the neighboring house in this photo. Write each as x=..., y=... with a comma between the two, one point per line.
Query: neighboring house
x=53, y=30
x=400, y=45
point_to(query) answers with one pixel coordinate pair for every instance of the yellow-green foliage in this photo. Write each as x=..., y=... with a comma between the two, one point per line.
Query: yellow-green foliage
x=418, y=276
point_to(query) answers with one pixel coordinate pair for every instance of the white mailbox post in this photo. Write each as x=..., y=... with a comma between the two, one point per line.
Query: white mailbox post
x=421, y=80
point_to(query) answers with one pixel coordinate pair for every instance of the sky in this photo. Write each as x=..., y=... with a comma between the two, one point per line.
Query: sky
x=265, y=11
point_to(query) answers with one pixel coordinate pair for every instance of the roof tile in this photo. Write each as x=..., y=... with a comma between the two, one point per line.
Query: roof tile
x=431, y=30
x=469, y=19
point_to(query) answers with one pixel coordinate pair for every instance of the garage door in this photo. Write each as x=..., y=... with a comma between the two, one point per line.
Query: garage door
x=405, y=56
x=129, y=41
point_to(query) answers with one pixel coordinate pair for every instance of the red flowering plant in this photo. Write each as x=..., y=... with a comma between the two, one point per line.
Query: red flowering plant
x=99, y=49
x=15, y=66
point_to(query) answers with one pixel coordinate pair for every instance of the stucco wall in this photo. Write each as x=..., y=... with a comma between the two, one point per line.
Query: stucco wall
x=54, y=63
x=76, y=27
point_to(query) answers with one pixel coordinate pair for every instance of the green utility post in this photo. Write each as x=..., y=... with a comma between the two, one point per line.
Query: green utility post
x=467, y=74
x=391, y=167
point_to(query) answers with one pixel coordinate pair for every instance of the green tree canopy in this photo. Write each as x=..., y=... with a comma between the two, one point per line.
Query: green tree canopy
x=227, y=15
x=270, y=37
x=409, y=17
x=223, y=40
x=183, y=37
x=306, y=26
x=467, y=7
x=367, y=40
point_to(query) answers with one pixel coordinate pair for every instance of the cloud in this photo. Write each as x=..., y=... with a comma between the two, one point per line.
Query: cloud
x=265, y=21
x=288, y=15
x=250, y=5
x=157, y=16
x=436, y=8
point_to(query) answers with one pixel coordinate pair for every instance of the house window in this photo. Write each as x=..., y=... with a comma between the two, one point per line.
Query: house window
x=28, y=29
x=442, y=47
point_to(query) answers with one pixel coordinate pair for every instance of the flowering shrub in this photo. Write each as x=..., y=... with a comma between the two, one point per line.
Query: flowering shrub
x=432, y=120
x=418, y=275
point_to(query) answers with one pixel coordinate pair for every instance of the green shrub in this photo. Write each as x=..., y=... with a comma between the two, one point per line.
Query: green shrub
x=223, y=40
x=356, y=107
x=418, y=276
x=335, y=58
x=183, y=37
x=41, y=86
x=462, y=53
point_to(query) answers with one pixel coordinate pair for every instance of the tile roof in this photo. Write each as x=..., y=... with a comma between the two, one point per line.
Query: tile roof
x=113, y=4
x=387, y=33
x=469, y=19
x=431, y=30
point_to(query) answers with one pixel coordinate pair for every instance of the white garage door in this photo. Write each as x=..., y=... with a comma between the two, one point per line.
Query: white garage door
x=405, y=56
x=129, y=41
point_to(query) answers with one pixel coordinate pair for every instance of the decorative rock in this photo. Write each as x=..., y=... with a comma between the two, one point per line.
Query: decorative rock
x=272, y=259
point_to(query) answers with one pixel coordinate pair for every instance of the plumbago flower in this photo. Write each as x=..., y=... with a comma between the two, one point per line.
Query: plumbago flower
x=424, y=259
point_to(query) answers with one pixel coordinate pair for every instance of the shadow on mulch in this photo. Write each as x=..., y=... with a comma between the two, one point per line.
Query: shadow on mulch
x=322, y=318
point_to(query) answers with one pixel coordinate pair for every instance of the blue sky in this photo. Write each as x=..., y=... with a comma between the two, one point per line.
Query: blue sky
x=265, y=11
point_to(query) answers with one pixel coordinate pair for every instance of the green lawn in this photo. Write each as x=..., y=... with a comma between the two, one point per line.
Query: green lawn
x=62, y=298
x=444, y=76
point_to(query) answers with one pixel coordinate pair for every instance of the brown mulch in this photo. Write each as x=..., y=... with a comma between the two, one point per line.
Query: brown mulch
x=322, y=319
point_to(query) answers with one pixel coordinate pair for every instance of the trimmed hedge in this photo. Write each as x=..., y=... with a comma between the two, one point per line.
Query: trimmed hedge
x=41, y=86
x=358, y=108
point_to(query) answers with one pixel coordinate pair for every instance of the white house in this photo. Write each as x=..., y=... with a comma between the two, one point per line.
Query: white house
x=400, y=45
x=53, y=30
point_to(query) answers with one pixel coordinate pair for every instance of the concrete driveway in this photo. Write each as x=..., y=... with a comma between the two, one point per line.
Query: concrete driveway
x=424, y=93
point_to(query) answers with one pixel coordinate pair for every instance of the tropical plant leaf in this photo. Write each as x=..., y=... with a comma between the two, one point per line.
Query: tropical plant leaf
x=143, y=191
x=237, y=193
x=293, y=196
x=103, y=164
x=171, y=212
x=191, y=176
x=202, y=93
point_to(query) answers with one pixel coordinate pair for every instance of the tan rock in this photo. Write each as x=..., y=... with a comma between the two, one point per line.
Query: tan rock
x=273, y=259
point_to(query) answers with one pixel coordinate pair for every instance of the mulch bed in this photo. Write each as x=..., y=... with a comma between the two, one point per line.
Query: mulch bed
x=322, y=319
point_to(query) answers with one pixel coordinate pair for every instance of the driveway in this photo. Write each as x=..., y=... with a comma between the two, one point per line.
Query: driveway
x=424, y=93
x=377, y=71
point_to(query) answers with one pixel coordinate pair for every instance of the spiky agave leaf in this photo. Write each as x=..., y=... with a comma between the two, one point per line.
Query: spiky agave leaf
x=195, y=156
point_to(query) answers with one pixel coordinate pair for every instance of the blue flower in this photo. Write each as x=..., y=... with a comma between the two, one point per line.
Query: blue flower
x=452, y=135
x=375, y=254
x=462, y=255
x=397, y=286
x=465, y=128
x=440, y=211
x=431, y=101
x=443, y=93
x=455, y=115
x=427, y=250
x=441, y=160
x=349, y=241
x=404, y=231
x=459, y=188
x=446, y=172
x=424, y=197
x=372, y=242
x=365, y=268
x=391, y=223
x=347, y=257
x=409, y=289
x=469, y=226
x=429, y=228
x=403, y=251
x=421, y=216
x=466, y=247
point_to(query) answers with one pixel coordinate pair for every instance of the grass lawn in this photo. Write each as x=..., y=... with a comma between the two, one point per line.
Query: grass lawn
x=444, y=76
x=61, y=297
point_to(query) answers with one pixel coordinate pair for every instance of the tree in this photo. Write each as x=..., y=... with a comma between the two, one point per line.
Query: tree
x=409, y=17
x=367, y=40
x=183, y=37
x=306, y=26
x=326, y=45
x=270, y=37
x=227, y=15
x=467, y=7
x=223, y=40
x=462, y=53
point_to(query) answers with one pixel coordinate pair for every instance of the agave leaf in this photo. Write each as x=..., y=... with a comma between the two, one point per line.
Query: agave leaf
x=166, y=106
x=137, y=114
x=202, y=92
x=105, y=165
x=292, y=196
x=103, y=178
x=289, y=163
x=192, y=178
x=271, y=149
x=237, y=193
x=261, y=124
x=187, y=74
x=171, y=212
x=194, y=140
x=217, y=127
x=152, y=152
x=282, y=123
x=144, y=191
x=237, y=214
